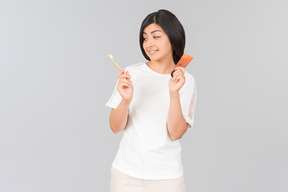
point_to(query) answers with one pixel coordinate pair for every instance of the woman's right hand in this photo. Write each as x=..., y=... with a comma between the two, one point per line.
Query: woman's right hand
x=125, y=86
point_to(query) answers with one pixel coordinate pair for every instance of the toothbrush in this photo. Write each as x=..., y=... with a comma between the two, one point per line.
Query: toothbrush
x=111, y=59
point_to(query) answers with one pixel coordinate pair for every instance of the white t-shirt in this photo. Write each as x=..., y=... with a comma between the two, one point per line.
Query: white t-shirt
x=146, y=150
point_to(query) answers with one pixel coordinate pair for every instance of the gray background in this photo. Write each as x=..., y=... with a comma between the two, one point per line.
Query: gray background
x=55, y=79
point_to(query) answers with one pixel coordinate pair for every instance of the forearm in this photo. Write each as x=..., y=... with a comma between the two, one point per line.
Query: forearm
x=176, y=124
x=119, y=116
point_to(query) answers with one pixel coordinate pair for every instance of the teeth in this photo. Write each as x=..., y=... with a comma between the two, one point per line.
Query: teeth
x=152, y=52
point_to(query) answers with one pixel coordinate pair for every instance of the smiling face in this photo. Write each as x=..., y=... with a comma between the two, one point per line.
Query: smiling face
x=156, y=43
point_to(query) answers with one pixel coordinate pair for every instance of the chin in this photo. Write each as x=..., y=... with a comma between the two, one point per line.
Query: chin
x=153, y=58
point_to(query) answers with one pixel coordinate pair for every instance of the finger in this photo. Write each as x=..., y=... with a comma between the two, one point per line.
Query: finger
x=180, y=68
x=124, y=85
x=128, y=74
x=176, y=74
x=124, y=76
x=179, y=72
x=121, y=72
x=179, y=77
x=125, y=81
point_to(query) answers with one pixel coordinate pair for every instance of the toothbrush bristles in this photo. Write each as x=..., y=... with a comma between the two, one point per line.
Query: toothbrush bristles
x=111, y=59
x=110, y=55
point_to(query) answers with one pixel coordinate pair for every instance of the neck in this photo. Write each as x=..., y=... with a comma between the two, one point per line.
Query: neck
x=163, y=67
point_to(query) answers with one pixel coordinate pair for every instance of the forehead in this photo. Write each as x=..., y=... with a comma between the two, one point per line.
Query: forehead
x=153, y=28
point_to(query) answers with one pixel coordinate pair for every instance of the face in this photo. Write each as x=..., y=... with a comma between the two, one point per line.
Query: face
x=156, y=43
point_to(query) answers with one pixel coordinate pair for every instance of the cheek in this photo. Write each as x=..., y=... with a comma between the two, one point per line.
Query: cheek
x=144, y=45
x=166, y=43
x=167, y=46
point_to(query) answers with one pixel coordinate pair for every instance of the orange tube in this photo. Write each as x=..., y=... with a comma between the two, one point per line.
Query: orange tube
x=183, y=62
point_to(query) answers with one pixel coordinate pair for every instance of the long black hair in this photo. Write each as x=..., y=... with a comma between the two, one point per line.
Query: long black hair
x=171, y=26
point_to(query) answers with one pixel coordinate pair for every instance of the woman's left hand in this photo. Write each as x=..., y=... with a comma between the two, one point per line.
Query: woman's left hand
x=178, y=80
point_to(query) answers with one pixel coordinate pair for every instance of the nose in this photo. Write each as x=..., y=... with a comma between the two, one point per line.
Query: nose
x=149, y=42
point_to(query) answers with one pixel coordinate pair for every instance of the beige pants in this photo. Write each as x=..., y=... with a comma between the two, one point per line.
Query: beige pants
x=121, y=182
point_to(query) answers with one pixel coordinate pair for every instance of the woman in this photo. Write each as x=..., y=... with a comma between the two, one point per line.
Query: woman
x=154, y=110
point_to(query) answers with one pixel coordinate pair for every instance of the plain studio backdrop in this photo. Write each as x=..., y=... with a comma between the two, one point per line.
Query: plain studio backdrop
x=55, y=79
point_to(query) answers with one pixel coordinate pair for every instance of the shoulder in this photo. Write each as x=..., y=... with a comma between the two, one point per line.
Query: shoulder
x=189, y=78
x=135, y=68
x=189, y=85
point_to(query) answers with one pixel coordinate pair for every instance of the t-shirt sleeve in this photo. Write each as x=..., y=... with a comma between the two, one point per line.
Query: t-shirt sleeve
x=115, y=99
x=188, y=101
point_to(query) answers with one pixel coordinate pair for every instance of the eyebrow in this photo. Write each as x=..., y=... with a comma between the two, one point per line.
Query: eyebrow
x=153, y=32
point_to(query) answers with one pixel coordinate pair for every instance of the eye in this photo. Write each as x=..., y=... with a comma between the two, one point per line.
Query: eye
x=157, y=37
x=145, y=38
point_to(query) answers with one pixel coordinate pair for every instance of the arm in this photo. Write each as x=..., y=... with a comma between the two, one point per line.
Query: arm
x=176, y=124
x=119, y=116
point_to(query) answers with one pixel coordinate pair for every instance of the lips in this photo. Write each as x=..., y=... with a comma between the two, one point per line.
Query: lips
x=152, y=52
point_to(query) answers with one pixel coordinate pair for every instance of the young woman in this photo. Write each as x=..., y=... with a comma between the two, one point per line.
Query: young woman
x=154, y=110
